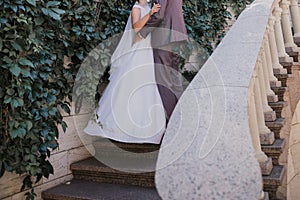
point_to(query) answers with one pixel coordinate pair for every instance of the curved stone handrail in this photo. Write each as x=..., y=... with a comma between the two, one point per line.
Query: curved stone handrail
x=212, y=146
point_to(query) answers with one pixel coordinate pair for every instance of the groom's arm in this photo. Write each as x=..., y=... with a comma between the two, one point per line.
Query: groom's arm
x=155, y=20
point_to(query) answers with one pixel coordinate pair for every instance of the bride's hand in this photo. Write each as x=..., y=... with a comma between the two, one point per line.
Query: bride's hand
x=154, y=9
x=136, y=38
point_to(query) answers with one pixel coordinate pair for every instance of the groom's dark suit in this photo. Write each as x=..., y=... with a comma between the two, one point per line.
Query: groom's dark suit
x=167, y=29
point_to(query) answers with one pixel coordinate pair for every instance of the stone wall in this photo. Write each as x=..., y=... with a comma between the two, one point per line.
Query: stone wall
x=71, y=149
x=293, y=167
x=292, y=96
x=289, y=156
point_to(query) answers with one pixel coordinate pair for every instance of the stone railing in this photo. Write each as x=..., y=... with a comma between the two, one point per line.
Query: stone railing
x=231, y=125
x=278, y=48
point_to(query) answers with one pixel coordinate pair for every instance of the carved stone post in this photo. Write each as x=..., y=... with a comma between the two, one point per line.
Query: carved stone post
x=277, y=67
x=253, y=101
x=273, y=80
x=286, y=27
x=283, y=56
x=295, y=17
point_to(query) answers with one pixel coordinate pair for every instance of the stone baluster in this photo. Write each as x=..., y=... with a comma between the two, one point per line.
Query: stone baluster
x=286, y=27
x=283, y=56
x=254, y=107
x=271, y=97
x=264, y=111
x=262, y=84
x=295, y=14
x=273, y=80
x=262, y=195
x=277, y=67
x=265, y=72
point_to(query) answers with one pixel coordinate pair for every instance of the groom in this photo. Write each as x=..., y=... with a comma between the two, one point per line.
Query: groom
x=168, y=31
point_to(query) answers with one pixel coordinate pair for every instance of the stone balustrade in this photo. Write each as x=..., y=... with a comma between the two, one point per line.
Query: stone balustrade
x=233, y=120
x=278, y=45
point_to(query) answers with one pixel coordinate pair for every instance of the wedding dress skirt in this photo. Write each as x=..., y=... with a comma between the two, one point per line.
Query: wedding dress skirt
x=130, y=109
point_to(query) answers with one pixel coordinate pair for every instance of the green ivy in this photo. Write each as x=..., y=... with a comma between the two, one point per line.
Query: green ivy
x=36, y=36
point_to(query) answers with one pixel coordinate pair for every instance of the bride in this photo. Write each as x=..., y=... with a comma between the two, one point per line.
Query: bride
x=130, y=109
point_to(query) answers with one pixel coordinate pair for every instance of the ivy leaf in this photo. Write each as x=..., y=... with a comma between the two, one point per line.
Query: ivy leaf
x=66, y=108
x=28, y=125
x=15, y=70
x=44, y=112
x=10, y=91
x=7, y=99
x=44, y=132
x=7, y=59
x=14, y=103
x=32, y=2
x=53, y=111
x=51, y=13
x=14, y=8
x=39, y=21
x=45, y=11
x=25, y=72
x=25, y=62
x=54, y=15
x=64, y=126
x=14, y=133
x=3, y=20
x=38, y=178
x=52, y=3
x=16, y=46
x=20, y=101
x=22, y=8
x=58, y=11
x=51, y=99
x=20, y=132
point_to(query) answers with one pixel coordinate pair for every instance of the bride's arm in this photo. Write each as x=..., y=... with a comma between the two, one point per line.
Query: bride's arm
x=137, y=22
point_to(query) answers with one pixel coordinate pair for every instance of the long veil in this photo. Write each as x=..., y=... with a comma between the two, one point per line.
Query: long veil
x=124, y=46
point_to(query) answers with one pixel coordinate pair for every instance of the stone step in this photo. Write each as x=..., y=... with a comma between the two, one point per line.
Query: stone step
x=287, y=66
x=279, y=91
x=88, y=190
x=276, y=126
x=274, y=150
x=274, y=180
x=121, y=171
x=110, y=145
x=282, y=78
x=134, y=153
x=278, y=106
x=294, y=55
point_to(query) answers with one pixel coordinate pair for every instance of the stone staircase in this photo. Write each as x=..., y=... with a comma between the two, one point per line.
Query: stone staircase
x=135, y=179
x=277, y=175
x=136, y=163
x=94, y=180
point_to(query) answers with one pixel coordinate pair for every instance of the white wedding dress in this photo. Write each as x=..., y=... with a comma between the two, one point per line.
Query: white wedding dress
x=130, y=109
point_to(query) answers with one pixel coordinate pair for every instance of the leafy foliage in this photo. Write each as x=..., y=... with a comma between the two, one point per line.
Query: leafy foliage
x=206, y=20
x=36, y=38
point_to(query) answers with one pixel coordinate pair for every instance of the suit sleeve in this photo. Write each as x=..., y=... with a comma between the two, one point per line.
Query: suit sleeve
x=155, y=20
